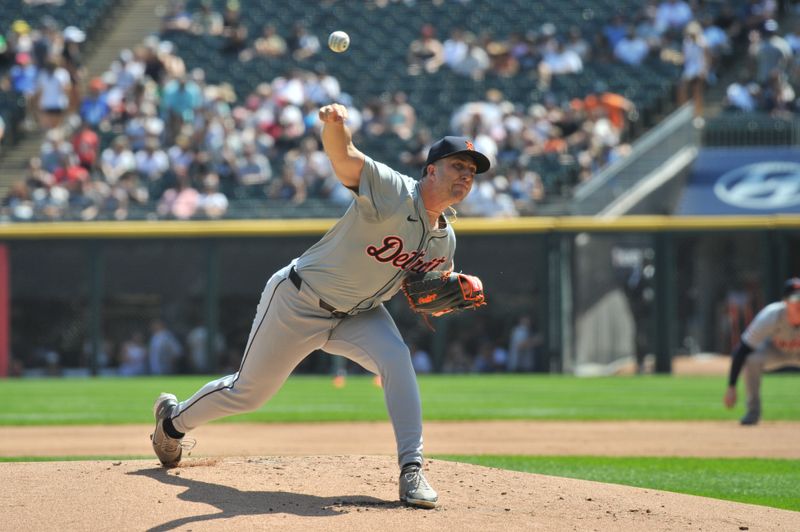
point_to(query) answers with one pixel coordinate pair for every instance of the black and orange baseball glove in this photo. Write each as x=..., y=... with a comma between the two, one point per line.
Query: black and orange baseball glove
x=438, y=293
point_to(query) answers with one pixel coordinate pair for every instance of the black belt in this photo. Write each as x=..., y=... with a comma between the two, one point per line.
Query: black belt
x=298, y=282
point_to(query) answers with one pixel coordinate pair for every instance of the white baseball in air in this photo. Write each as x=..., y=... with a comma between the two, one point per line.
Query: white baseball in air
x=338, y=41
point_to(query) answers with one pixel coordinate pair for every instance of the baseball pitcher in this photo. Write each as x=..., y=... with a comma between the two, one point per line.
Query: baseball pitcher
x=331, y=297
x=772, y=340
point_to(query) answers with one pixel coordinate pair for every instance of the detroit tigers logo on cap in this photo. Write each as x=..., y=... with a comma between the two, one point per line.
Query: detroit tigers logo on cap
x=470, y=145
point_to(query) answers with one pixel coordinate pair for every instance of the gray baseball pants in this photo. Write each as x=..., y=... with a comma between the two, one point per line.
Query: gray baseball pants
x=766, y=358
x=289, y=324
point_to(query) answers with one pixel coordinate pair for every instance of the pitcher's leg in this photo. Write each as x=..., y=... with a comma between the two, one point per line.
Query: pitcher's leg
x=279, y=340
x=372, y=340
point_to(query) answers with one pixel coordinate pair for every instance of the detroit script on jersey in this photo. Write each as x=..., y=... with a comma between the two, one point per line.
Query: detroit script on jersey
x=391, y=250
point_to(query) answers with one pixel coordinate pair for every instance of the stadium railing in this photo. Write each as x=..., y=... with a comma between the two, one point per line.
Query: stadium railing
x=676, y=133
x=751, y=129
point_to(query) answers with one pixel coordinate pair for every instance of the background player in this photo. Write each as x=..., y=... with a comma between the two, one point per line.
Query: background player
x=331, y=297
x=772, y=340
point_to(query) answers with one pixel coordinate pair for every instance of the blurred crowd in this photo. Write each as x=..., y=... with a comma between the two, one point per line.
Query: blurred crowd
x=151, y=139
x=768, y=81
x=160, y=349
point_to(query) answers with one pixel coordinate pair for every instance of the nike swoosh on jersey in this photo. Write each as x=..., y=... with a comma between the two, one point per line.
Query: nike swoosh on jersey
x=410, y=219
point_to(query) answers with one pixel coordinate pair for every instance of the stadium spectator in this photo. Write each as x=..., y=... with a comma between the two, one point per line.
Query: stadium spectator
x=117, y=159
x=420, y=359
x=200, y=360
x=206, y=20
x=695, y=67
x=181, y=201
x=672, y=16
x=476, y=62
x=86, y=144
x=576, y=43
x=489, y=199
x=522, y=346
x=647, y=28
x=302, y=44
x=46, y=41
x=483, y=361
x=778, y=96
x=321, y=88
x=632, y=49
x=164, y=350
x=615, y=30
x=456, y=359
x=180, y=99
x=289, y=187
x=176, y=17
x=52, y=94
x=270, y=43
x=523, y=49
x=425, y=53
x=18, y=203
x=128, y=192
x=23, y=76
x=743, y=94
x=151, y=161
x=557, y=60
x=771, y=51
x=454, y=48
x=69, y=170
x=717, y=40
x=72, y=60
x=756, y=12
x=212, y=203
x=402, y=117
x=94, y=109
x=253, y=168
x=727, y=20
x=157, y=63
x=133, y=356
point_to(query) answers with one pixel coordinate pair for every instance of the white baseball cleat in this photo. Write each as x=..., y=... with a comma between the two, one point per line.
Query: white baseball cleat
x=414, y=488
x=167, y=449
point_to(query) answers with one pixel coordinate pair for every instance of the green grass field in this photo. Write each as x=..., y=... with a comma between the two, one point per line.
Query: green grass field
x=766, y=482
x=756, y=481
x=123, y=401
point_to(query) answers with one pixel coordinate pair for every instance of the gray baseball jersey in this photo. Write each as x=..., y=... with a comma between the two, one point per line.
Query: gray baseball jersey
x=357, y=265
x=770, y=329
x=364, y=257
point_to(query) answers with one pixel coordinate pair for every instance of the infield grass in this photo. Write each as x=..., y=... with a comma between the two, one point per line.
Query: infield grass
x=767, y=482
x=87, y=401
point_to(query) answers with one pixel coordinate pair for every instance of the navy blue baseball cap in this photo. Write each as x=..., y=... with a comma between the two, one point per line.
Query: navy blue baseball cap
x=449, y=146
x=791, y=288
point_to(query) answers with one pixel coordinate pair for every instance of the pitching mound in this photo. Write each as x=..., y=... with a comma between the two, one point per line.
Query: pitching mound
x=348, y=493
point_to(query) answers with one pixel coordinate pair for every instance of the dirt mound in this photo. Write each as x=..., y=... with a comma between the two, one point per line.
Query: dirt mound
x=343, y=493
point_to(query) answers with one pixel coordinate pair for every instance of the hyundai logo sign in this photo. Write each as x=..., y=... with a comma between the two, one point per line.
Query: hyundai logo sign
x=769, y=185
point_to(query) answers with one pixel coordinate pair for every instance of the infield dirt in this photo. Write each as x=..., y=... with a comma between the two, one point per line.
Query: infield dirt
x=270, y=477
x=347, y=493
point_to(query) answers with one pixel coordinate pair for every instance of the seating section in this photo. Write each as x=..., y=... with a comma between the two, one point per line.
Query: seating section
x=551, y=122
x=86, y=15
x=380, y=40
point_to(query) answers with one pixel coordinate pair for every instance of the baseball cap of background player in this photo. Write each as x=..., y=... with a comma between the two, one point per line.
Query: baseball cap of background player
x=791, y=289
x=449, y=146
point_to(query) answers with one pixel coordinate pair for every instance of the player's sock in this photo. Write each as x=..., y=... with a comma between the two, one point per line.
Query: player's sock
x=171, y=431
